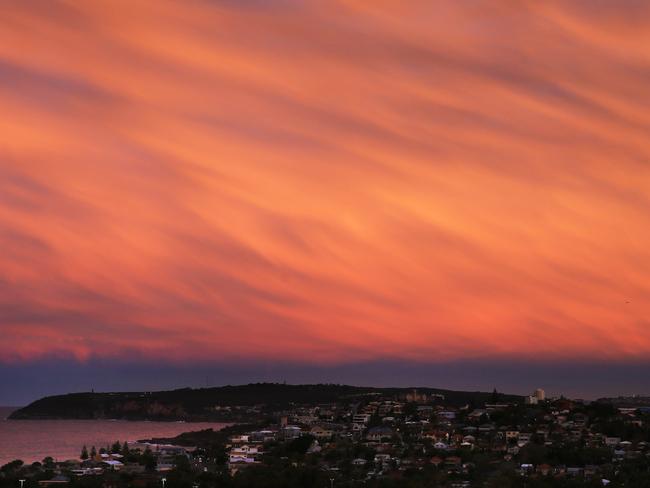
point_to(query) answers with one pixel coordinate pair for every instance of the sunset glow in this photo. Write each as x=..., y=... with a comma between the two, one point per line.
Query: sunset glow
x=324, y=182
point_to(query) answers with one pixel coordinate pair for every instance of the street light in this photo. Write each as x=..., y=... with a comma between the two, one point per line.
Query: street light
x=164, y=480
x=22, y=482
x=331, y=482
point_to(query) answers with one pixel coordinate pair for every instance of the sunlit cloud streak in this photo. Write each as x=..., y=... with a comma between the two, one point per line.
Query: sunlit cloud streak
x=327, y=182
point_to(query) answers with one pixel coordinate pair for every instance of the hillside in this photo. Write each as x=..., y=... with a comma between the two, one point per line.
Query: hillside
x=226, y=403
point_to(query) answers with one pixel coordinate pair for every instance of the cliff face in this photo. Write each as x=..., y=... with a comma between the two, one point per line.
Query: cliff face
x=207, y=403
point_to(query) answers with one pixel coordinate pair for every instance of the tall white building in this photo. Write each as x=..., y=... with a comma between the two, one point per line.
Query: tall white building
x=530, y=400
x=540, y=395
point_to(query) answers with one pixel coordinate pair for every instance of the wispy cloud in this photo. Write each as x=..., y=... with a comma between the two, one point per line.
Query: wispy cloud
x=325, y=182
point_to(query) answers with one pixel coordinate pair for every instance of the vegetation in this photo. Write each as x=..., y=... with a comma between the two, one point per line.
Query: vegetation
x=216, y=404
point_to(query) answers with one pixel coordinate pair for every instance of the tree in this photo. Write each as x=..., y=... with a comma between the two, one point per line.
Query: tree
x=300, y=445
x=93, y=452
x=181, y=475
x=148, y=460
x=116, y=447
x=125, y=449
x=12, y=466
x=84, y=453
x=533, y=454
x=182, y=464
x=495, y=396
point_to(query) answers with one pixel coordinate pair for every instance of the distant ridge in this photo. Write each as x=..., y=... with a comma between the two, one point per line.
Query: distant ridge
x=219, y=403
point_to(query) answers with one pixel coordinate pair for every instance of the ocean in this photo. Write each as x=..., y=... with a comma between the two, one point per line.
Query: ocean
x=33, y=440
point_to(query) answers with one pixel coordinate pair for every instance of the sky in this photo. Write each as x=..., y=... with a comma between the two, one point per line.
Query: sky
x=380, y=192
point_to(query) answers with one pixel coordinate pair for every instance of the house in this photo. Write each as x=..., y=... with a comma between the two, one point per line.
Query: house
x=113, y=464
x=447, y=414
x=525, y=437
x=320, y=432
x=580, y=420
x=245, y=450
x=381, y=458
x=430, y=435
x=236, y=465
x=239, y=439
x=424, y=410
x=241, y=458
x=486, y=428
x=290, y=432
x=166, y=455
x=314, y=448
x=477, y=414
x=261, y=436
x=526, y=469
x=378, y=434
x=305, y=419
x=361, y=418
x=436, y=460
x=414, y=397
x=512, y=434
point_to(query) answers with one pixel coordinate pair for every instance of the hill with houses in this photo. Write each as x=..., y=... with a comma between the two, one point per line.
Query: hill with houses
x=229, y=403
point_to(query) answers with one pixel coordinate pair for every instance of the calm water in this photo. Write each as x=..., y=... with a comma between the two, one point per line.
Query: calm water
x=32, y=440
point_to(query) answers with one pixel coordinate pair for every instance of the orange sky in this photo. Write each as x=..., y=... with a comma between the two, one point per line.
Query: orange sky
x=324, y=181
